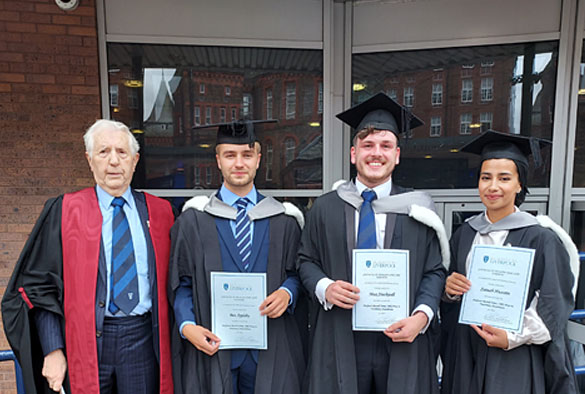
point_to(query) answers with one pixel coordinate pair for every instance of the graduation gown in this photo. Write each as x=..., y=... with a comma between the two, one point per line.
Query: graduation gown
x=58, y=271
x=326, y=246
x=471, y=367
x=195, y=253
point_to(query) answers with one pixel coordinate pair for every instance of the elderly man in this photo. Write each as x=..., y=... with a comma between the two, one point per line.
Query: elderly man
x=372, y=212
x=238, y=230
x=87, y=299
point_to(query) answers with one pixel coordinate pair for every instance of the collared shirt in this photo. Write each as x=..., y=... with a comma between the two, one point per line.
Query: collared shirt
x=231, y=198
x=138, y=241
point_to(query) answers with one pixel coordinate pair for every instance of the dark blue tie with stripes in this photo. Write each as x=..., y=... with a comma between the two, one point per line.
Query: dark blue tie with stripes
x=124, y=279
x=366, y=238
x=243, y=235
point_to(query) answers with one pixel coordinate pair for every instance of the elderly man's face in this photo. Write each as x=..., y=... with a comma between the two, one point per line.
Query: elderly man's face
x=111, y=161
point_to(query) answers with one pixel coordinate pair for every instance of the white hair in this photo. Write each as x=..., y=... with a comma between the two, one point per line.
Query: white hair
x=102, y=124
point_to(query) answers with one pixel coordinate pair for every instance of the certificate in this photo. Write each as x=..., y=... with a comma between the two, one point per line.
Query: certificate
x=235, y=317
x=500, y=277
x=382, y=275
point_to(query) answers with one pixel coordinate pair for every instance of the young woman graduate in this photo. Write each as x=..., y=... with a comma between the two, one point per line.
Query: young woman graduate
x=488, y=360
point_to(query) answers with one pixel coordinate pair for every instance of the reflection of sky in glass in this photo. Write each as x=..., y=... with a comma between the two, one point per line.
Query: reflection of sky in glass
x=541, y=60
x=158, y=85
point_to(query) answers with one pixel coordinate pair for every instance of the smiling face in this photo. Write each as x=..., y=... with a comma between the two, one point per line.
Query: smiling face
x=111, y=161
x=238, y=164
x=498, y=185
x=375, y=157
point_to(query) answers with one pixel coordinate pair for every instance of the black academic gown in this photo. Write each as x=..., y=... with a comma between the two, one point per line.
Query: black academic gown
x=195, y=252
x=471, y=367
x=326, y=246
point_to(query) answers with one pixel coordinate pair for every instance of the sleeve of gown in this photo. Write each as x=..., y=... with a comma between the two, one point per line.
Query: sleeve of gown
x=309, y=263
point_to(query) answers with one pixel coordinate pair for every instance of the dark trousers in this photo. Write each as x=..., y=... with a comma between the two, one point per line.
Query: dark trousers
x=244, y=377
x=372, y=362
x=128, y=364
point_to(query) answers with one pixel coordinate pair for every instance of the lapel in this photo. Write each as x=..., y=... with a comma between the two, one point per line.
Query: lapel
x=390, y=220
x=349, y=235
x=260, y=229
x=465, y=244
x=224, y=231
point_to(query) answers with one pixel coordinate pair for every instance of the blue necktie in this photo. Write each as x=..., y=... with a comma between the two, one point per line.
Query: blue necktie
x=124, y=279
x=243, y=235
x=366, y=238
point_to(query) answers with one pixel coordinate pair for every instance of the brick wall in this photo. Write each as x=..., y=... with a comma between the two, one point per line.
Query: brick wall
x=49, y=94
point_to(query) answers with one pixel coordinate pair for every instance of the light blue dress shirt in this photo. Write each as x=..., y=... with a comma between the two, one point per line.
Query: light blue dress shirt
x=140, y=248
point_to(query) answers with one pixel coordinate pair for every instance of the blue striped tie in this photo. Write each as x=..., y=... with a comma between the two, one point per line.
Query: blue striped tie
x=243, y=235
x=366, y=238
x=124, y=279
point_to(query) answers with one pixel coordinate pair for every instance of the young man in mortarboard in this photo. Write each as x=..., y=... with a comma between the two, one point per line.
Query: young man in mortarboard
x=490, y=360
x=371, y=212
x=237, y=229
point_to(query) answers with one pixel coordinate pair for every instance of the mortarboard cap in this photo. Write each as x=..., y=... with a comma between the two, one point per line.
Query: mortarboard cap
x=382, y=113
x=497, y=145
x=238, y=132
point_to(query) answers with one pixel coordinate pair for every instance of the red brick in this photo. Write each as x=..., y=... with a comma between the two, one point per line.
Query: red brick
x=21, y=27
x=85, y=11
x=9, y=16
x=70, y=79
x=34, y=17
x=56, y=89
x=90, y=41
x=40, y=78
x=85, y=90
x=8, y=77
x=82, y=31
x=83, y=51
x=51, y=29
x=5, y=87
x=11, y=57
x=19, y=6
x=88, y=21
x=66, y=20
x=10, y=36
x=48, y=9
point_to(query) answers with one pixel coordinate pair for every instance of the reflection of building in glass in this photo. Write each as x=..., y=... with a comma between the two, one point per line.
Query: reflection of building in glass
x=459, y=97
x=223, y=85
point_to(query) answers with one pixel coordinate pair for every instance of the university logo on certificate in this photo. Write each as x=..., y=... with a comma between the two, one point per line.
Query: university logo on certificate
x=382, y=275
x=500, y=278
x=235, y=314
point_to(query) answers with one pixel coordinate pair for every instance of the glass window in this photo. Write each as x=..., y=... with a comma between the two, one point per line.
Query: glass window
x=289, y=149
x=435, y=126
x=320, y=102
x=268, y=157
x=269, y=104
x=579, y=161
x=291, y=100
x=132, y=98
x=246, y=105
x=113, y=95
x=437, y=95
x=464, y=127
x=486, y=119
x=197, y=116
x=524, y=76
x=185, y=86
x=392, y=93
x=408, y=96
x=208, y=115
x=466, y=90
x=487, y=89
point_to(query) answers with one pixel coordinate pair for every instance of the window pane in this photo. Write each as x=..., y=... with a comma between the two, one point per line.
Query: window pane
x=511, y=85
x=184, y=86
x=579, y=166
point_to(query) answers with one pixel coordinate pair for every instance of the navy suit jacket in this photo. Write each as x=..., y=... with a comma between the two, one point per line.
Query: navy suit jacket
x=48, y=323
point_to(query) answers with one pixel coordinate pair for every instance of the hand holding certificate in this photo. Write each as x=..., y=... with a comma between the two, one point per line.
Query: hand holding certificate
x=235, y=317
x=500, y=277
x=382, y=275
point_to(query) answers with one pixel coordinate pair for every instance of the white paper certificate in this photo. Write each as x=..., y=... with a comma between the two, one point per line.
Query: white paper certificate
x=235, y=317
x=382, y=277
x=500, y=277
